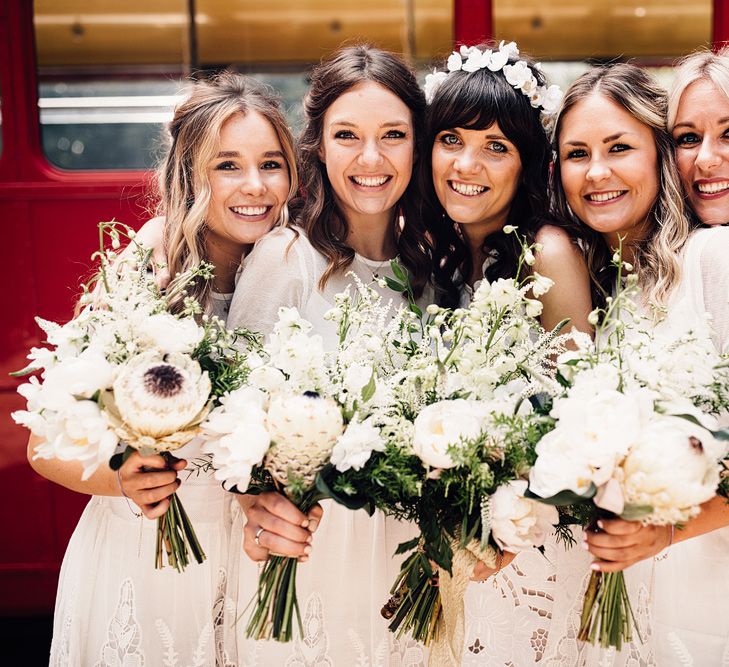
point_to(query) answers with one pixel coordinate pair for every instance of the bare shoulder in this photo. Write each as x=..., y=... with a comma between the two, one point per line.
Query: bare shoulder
x=558, y=249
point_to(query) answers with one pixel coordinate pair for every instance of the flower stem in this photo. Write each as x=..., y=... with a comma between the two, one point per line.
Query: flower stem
x=176, y=534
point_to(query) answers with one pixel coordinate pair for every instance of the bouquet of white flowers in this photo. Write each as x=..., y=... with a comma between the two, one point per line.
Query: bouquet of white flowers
x=460, y=432
x=633, y=437
x=126, y=372
x=303, y=409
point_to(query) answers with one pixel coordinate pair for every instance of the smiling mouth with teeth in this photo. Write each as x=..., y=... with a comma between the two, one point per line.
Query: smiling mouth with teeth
x=370, y=181
x=712, y=188
x=467, y=189
x=250, y=211
x=600, y=197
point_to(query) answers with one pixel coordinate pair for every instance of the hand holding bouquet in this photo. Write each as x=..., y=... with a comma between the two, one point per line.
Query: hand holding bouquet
x=128, y=372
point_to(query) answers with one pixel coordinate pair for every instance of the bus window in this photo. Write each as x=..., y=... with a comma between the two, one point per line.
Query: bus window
x=109, y=71
x=568, y=34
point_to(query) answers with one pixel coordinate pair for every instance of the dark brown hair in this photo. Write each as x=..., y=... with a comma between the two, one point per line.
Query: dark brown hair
x=324, y=223
x=475, y=101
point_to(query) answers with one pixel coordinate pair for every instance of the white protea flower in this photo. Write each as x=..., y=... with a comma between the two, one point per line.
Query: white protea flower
x=304, y=429
x=160, y=400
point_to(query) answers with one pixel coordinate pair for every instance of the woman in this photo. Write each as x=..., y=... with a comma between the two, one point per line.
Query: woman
x=363, y=124
x=488, y=167
x=224, y=183
x=690, y=611
x=617, y=180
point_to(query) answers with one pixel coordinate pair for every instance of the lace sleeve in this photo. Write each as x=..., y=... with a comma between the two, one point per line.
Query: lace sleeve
x=714, y=269
x=274, y=274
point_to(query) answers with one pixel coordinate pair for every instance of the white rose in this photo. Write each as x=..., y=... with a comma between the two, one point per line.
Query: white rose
x=673, y=468
x=442, y=425
x=158, y=395
x=519, y=523
x=171, y=334
x=355, y=446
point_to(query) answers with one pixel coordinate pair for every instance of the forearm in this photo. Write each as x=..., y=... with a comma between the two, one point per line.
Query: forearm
x=68, y=473
x=714, y=515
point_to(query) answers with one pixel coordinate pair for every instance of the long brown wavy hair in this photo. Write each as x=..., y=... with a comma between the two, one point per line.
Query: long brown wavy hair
x=321, y=218
x=656, y=257
x=183, y=183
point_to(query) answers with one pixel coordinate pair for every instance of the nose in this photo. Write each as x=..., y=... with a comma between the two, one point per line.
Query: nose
x=708, y=156
x=597, y=170
x=370, y=155
x=252, y=184
x=466, y=162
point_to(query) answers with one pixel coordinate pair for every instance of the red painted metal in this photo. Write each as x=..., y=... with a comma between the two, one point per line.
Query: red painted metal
x=48, y=218
x=720, y=23
x=472, y=21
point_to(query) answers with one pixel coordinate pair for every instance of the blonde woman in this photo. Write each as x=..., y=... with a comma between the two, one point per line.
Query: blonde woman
x=224, y=183
x=615, y=179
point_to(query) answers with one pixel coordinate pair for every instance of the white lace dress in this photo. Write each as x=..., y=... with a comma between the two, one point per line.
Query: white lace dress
x=346, y=581
x=509, y=615
x=114, y=609
x=681, y=598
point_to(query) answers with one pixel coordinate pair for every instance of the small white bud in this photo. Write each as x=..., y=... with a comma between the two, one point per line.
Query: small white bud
x=509, y=229
x=432, y=309
x=594, y=317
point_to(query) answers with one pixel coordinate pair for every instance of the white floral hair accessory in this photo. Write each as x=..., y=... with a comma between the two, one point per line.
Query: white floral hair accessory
x=519, y=75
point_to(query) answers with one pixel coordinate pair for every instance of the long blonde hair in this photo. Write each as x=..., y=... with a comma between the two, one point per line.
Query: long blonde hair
x=184, y=186
x=657, y=256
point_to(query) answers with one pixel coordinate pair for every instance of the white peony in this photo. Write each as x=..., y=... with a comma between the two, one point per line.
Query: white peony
x=80, y=376
x=672, y=468
x=560, y=466
x=442, y=425
x=167, y=333
x=81, y=433
x=267, y=378
x=355, y=446
x=519, y=523
x=158, y=395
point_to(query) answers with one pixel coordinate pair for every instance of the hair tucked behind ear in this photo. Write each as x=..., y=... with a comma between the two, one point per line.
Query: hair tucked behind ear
x=320, y=216
x=657, y=256
x=184, y=186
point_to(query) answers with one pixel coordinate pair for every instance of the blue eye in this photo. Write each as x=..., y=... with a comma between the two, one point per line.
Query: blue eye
x=498, y=147
x=449, y=139
x=687, y=139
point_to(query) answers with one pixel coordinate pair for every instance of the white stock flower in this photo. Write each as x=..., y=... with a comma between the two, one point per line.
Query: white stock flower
x=157, y=395
x=541, y=285
x=355, y=446
x=673, y=469
x=80, y=376
x=442, y=425
x=533, y=307
x=168, y=333
x=519, y=523
x=356, y=377
x=504, y=293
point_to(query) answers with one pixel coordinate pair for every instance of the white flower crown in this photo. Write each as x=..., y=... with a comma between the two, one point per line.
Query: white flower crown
x=518, y=74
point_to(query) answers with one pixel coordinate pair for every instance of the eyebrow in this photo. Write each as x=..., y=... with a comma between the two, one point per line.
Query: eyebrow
x=690, y=124
x=392, y=123
x=606, y=140
x=225, y=154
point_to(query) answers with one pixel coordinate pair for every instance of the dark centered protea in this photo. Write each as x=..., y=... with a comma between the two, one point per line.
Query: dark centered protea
x=164, y=381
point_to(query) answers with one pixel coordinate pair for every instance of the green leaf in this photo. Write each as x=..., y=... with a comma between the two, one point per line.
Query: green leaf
x=394, y=285
x=30, y=368
x=565, y=497
x=398, y=271
x=722, y=434
x=404, y=547
x=635, y=512
x=368, y=391
x=325, y=485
